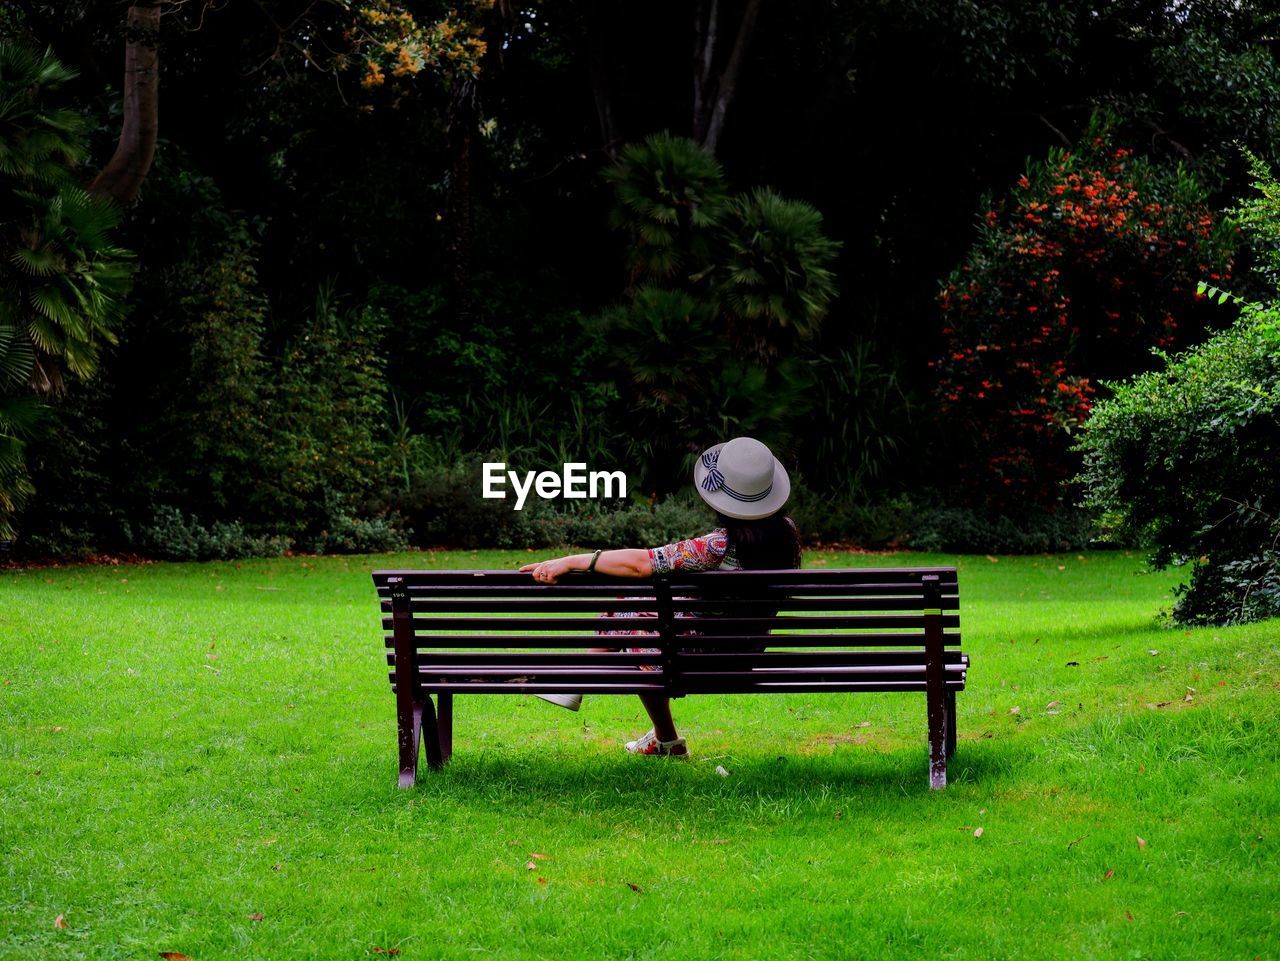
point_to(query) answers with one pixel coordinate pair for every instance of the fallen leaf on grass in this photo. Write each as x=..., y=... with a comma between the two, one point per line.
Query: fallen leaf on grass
x=57, y=727
x=634, y=887
x=1154, y=653
x=542, y=881
x=174, y=956
x=1062, y=567
x=865, y=724
x=531, y=865
x=1128, y=915
x=721, y=771
x=60, y=923
x=1051, y=705
x=254, y=917
x=1111, y=873
x=1015, y=710
x=1072, y=844
x=539, y=856
x=993, y=560
x=388, y=951
x=977, y=833
x=1142, y=845
x=1102, y=658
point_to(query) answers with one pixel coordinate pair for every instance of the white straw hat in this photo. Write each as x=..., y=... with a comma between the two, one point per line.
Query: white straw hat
x=742, y=479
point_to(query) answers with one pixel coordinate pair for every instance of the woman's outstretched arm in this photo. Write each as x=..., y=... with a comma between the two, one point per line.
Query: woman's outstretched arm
x=626, y=562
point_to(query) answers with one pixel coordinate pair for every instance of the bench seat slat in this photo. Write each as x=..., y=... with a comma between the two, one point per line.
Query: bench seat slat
x=575, y=687
x=774, y=640
x=756, y=625
x=518, y=679
x=523, y=660
x=520, y=675
x=794, y=686
x=764, y=687
x=507, y=605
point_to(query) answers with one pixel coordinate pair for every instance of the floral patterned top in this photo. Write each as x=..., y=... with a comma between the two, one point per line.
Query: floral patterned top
x=709, y=552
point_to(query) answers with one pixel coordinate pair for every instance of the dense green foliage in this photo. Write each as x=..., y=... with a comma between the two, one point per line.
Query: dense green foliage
x=1184, y=458
x=728, y=294
x=1091, y=262
x=432, y=175
x=62, y=277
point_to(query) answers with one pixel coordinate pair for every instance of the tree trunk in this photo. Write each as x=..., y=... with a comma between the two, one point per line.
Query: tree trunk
x=462, y=124
x=122, y=177
x=598, y=63
x=713, y=91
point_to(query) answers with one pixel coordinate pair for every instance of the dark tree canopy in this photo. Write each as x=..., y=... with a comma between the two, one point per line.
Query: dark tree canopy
x=434, y=174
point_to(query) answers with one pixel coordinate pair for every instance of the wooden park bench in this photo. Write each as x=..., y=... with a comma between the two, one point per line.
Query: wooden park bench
x=498, y=632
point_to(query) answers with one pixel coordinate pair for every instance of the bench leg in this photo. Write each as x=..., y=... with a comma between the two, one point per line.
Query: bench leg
x=431, y=734
x=409, y=721
x=445, y=723
x=938, y=723
x=951, y=723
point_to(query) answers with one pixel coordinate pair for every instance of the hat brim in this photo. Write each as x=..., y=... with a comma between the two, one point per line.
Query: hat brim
x=731, y=507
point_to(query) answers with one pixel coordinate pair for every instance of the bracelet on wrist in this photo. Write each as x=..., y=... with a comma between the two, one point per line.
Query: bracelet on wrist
x=594, y=557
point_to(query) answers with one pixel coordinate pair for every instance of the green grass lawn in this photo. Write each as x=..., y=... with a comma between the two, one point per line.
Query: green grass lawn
x=201, y=759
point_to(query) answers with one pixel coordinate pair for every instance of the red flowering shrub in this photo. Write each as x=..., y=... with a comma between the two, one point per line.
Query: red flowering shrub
x=1087, y=265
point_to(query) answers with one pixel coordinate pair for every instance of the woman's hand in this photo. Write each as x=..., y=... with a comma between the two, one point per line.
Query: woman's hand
x=548, y=572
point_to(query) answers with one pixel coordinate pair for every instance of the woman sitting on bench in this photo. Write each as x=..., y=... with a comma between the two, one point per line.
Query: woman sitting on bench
x=747, y=487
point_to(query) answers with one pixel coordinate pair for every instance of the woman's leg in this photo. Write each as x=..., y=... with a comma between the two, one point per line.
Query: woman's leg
x=659, y=708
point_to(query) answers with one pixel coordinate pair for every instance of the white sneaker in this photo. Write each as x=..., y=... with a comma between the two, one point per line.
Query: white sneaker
x=648, y=743
x=570, y=701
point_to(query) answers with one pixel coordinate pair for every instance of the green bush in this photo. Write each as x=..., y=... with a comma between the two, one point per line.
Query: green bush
x=966, y=531
x=175, y=536
x=1185, y=459
x=840, y=518
x=1089, y=262
x=327, y=413
x=725, y=289
x=361, y=535
x=63, y=279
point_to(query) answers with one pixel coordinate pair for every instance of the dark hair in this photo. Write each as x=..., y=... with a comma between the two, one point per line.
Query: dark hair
x=769, y=544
